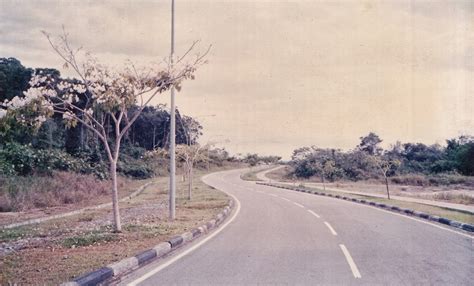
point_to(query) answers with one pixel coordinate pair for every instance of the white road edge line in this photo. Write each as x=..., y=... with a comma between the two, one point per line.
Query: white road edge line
x=313, y=213
x=351, y=262
x=301, y=206
x=330, y=228
x=191, y=249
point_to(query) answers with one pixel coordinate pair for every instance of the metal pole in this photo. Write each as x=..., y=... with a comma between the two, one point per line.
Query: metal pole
x=172, y=194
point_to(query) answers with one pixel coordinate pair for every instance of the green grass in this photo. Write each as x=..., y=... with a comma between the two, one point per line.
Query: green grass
x=250, y=176
x=14, y=233
x=88, y=239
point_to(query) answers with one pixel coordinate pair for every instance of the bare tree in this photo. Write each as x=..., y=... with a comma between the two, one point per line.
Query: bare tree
x=385, y=166
x=190, y=154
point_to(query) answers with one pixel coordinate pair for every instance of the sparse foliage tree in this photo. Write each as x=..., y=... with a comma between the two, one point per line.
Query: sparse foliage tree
x=190, y=154
x=109, y=95
x=385, y=166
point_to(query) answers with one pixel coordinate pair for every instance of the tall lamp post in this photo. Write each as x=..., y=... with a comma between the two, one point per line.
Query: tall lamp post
x=172, y=194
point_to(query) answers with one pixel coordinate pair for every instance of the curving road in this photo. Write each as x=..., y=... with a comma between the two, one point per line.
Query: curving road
x=286, y=237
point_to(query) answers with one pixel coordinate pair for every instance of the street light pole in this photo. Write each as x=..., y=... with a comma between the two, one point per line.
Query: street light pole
x=172, y=194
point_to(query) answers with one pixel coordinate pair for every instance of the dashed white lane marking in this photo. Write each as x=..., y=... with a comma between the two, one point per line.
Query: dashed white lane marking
x=301, y=206
x=260, y=192
x=351, y=262
x=285, y=199
x=313, y=213
x=330, y=228
x=273, y=195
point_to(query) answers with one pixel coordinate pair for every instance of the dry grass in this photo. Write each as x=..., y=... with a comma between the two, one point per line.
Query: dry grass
x=59, y=250
x=62, y=188
x=86, y=191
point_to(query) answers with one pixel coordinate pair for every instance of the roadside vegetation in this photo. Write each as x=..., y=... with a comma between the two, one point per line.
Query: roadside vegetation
x=74, y=143
x=406, y=169
x=251, y=176
x=56, y=251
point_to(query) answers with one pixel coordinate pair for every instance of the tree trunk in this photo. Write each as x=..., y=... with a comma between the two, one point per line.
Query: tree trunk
x=190, y=182
x=324, y=182
x=50, y=135
x=115, y=203
x=386, y=184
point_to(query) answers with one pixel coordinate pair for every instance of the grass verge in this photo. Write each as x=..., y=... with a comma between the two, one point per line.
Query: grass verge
x=59, y=250
x=252, y=174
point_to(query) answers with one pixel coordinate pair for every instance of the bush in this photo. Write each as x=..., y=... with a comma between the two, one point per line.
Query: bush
x=135, y=169
x=23, y=160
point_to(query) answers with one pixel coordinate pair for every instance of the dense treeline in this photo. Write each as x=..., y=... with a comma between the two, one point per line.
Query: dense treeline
x=25, y=149
x=369, y=161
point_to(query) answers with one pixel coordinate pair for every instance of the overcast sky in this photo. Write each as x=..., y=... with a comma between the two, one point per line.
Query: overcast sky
x=283, y=74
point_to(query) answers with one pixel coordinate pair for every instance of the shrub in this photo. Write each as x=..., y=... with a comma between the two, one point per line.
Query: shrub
x=135, y=169
x=23, y=160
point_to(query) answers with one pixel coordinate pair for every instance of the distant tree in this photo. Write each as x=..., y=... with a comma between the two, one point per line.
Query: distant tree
x=460, y=154
x=190, y=154
x=14, y=78
x=420, y=158
x=370, y=144
x=190, y=129
x=385, y=166
x=251, y=159
x=324, y=169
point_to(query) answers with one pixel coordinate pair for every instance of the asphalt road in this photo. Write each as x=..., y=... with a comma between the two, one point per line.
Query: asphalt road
x=285, y=237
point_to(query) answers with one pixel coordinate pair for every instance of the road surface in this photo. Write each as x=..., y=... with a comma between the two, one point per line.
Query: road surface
x=285, y=237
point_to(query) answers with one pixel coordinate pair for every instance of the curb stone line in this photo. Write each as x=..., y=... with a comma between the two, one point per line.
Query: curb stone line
x=126, y=265
x=442, y=220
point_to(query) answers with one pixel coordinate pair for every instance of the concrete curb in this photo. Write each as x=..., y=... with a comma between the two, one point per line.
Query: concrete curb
x=76, y=212
x=100, y=276
x=446, y=221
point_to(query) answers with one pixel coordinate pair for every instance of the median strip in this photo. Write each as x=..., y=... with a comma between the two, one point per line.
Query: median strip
x=126, y=265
